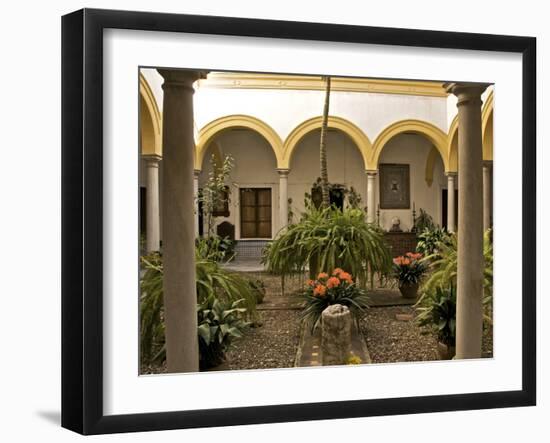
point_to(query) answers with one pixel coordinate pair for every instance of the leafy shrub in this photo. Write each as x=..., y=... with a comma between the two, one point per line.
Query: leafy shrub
x=258, y=288
x=328, y=239
x=151, y=310
x=338, y=288
x=408, y=268
x=437, y=310
x=212, y=282
x=424, y=221
x=215, y=248
x=429, y=240
x=219, y=323
x=445, y=264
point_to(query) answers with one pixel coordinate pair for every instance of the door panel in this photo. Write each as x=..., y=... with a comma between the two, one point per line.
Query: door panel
x=255, y=212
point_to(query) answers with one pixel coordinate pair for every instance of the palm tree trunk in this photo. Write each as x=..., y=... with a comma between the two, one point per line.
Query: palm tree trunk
x=323, y=148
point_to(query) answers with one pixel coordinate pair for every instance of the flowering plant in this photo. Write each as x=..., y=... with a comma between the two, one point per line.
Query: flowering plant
x=408, y=268
x=336, y=288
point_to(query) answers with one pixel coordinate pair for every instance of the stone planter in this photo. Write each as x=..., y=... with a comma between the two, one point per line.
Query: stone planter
x=445, y=352
x=409, y=290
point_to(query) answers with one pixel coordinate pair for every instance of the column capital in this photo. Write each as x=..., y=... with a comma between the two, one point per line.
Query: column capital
x=453, y=174
x=467, y=92
x=371, y=172
x=487, y=163
x=152, y=159
x=180, y=78
x=283, y=172
x=197, y=172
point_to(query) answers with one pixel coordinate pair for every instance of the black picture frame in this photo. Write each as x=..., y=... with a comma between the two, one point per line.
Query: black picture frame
x=82, y=217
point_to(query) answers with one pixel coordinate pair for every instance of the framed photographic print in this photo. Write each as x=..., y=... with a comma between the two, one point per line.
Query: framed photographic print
x=254, y=207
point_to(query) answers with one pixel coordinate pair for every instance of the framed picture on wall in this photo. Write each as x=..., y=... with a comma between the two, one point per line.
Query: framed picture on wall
x=172, y=289
x=394, y=186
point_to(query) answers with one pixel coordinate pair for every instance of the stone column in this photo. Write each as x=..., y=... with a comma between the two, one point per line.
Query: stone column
x=469, y=315
x=451, y=216
x=178, y=223
x=152, y=214
x=196, y=174
x=283, y=197
x=371, y=205
x=487, y=194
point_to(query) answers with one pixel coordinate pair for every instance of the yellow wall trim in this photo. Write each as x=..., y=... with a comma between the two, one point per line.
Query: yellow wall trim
x=354, y=132
x=151, y=143
x=431, y=132
x=215, y=127
x=297, y=82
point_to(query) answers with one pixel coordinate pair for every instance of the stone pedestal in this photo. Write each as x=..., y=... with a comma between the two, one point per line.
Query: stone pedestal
x=335, y=335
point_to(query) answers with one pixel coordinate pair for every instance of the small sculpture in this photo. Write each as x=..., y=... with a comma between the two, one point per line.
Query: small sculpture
x=395, y=227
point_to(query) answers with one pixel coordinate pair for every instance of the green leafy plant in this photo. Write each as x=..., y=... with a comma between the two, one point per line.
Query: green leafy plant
x=424, y=221
x=408, y=268
x=215, y=248
x=215, y=193
x=354, y=198
x=444, y=265
x=429, y=241
x=219, y=323
x=211, y=281
x=151, y=310
x=325, y=290
x=437, y=311
x=258, y=288
x=328, y=239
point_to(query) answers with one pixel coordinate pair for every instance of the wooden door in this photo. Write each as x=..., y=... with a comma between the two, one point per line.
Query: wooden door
x=255, y=212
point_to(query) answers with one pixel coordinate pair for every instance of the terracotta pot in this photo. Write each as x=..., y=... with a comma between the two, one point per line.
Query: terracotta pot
x=445, y=352
x=409, y=290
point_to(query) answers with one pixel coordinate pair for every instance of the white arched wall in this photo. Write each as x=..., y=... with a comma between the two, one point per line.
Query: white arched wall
x=345, y=167
x=413, y=149
x=255, y=165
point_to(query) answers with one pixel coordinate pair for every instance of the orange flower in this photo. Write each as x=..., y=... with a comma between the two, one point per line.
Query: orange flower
x=414, y=256
x=322, y=275
x=398, y=260
x=406, y=261
x=332, y=282
x=311, y=282
x=346, y=277
x=337, y=271
x=320, y=290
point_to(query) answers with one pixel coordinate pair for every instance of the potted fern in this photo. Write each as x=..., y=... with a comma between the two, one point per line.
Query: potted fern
x=408, y=270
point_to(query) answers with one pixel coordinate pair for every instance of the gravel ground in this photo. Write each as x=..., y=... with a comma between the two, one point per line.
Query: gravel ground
x=273, y=345
x=390, y=340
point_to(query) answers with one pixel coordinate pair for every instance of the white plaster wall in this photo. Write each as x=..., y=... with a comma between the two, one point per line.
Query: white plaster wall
x=345, y=166
x=284, y=109
x=413, y=150
x=254, y=166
